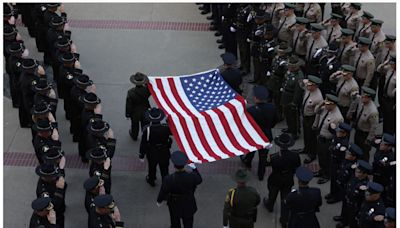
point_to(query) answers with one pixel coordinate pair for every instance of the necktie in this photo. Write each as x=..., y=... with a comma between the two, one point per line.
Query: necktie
x=372, y=40
x=329, y=37
x=359, y=115
x=322, y=122
x=309, y=51
x=308, y=9
x=295, y=42
x=387, y=54
x=387, y=83
x=340, y=87
x=280, y=27
x=305, y=101
x=359, y=32
x=358, y=61
x=348, y=17
x=273, y=11
x=341, y=53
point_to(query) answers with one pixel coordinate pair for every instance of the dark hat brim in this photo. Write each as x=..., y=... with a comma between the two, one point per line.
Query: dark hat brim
x=155, y=119
x=84, y=101
x=36, y=128
x=236, y=178
x=35, y=112
x=138, y=82
x=179, y=160
x=40, y=173
x=282, y=144
x=98, y=131
x=77, y=82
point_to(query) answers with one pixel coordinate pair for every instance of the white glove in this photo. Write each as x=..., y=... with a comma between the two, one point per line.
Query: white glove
x=232, y=29
x=159, y=204
x=192, y=166
x=222, y=18
x=248, y=40
x=249, y=17
x=258, y=32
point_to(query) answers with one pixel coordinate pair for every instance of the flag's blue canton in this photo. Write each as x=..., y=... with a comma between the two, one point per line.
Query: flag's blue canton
x=207, y=90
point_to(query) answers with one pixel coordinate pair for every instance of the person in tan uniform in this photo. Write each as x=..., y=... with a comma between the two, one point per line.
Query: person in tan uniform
x=388, y=50
x=365, y=117
x=314, y=42
x=312, y=97
x=364, y=27
x=299, y=31
x=333, y=29
x=285, y=23
x=354, y=17
x=346, y=88
x=275, y=10
x=327, y=119
x=346, y=46
x=387, y=94
x=364, y=62
x=313, y=12
x=377, y=37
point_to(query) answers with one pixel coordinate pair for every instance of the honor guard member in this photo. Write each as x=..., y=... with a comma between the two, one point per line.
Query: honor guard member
x=240, y=207
x=55, y=32
x=230, y=73
x=41, y=29
x=55, y=155
x=280, y=66
x=267, y=54
x=41, y=111
x=275, y=10
x=327, y=119
x=63, y=46
x=155, y=145
x=353, y=18
x=299, y=32
x=333, y=29
x=30, y=74
x=265, y=115
x=346, y=46
x=104, y=213
x=284, y=164
x=329, y=63
x=82, y=85
x=345, y=173
x=384, y=163
x=313, y=43
x=364, y=27
x=93, y=186
x=178, y=190
x=372, y=210
x=228, y=15
x=13, y=69
x=44, y=92
x=285, y=23
x=100, y=165
x=337, y=149
x=100, y=134
x=303, y=202
x=92, y=109
x=390, y=217
x=364, y=115
x=291, y=97
x=354, y=195
x=364, y=62
x=137, y=102
x=10, y=35
x=43, y=213
x=46, y=137
x=377, y=37
x=313, y=12
x=51, y=184
x=387, y=94
x=312, y=97
x=388, y=50
x=346, y=87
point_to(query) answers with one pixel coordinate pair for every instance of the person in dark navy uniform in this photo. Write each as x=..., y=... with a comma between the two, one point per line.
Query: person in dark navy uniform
x=104, y=213
x=44, y=92
x=43, y=213
x=304, y=202
x=384, y=163
x=100, y=165
x=46, y=137
x=13, y=69
x=178, y=190
x=372, y=210
x=284, y=164
x=265, y=115
x=230, y=72
x=155, y=145
x=94, y=186
x=390, y=217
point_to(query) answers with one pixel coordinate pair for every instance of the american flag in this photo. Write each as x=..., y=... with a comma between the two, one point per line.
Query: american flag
x=206, y=116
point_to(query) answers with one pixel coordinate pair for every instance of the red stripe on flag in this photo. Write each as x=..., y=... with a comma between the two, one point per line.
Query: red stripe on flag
x=198, y=128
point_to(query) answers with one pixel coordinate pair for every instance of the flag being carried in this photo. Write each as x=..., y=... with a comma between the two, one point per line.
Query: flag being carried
x=206, y=116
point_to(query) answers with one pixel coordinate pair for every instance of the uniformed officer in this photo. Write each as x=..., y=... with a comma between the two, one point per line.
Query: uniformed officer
x=299, y=31
x=93, y=186
x=312, y=97
x=51, y=184
x=384, y=162
x=354, y=195
x=388, y=50
x=377, y=37
x=364, y=62
x=364, y=115
x=390, y=217
x=286, y=23
x=45, y=92
x=41, y=111
x=304, y=202
x=328, y=117
x=13, y=69
x=100, y=165
x=137, y=101
x=313, y=12
x=240, y=207
x=291, y=96
x=55, y=155
x=387, y=94
x=333, y=29
x=372, y=210
x=267, y=54
x=328, y=64
x=100, y=135
x=178, y=190
x=346, y=171
x=313, y=43
x=275, y=10
x=354, y=16
x=55, y=32
x=284, y=164
x=10, y=35
x=346, y=87
x=346, y=46
x=43, y=213
x=228, y=15
x=104, y=213
x=230, y=73
x=47, y=136
x=364, y=27
x=265, y=115
x=155, y=145
x=337, y=149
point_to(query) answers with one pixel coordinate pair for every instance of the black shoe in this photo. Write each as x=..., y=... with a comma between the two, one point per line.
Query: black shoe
x=268, y=207
x=210, y=18
x=217, y=34
x=204, y=12
x=212, y=28
x=322, y=180
x=221, y=46
x=337, y=218
x=220, y=41
x=309, y=160
x=15, y=105
x=132, y=136
x=341, y=225
x=150, y=182
x=328, y=196
x=75, y=139
x=332, y=201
